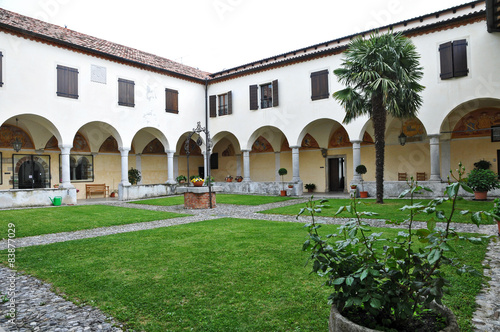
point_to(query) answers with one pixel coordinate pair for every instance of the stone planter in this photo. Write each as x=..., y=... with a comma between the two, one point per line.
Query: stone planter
x=339, y=323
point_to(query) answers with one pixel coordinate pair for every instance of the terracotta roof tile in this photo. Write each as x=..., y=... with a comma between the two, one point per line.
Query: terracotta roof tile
x=43, y=30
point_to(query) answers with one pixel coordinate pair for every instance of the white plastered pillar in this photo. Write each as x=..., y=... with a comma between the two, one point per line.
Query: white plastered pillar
x=124, y=163
x=65, y=166
x=356, y=160
x=170, y=167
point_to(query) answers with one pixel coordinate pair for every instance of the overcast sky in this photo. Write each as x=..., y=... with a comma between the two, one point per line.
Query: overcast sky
x=219, y=34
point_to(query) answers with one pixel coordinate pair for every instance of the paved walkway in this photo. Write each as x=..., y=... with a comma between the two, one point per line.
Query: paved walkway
x=39, y=309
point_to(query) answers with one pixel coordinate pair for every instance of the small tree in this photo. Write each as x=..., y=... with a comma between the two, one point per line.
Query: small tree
x=361, y=169
x=282, y=172
x=134, y=176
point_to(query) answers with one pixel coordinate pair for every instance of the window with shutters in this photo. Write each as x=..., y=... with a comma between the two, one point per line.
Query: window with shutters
x=126, y=93
x=268, y=95
x=453, y=59
x=1, y=65
x=319, y=85
x=67, y=82
x=171, y=101
x=221, y=104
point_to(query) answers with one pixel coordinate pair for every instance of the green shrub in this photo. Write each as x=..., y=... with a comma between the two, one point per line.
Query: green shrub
x=134, y=176
x=482, y=180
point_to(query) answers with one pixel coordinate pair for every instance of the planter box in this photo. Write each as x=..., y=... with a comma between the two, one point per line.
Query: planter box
x=339, y=323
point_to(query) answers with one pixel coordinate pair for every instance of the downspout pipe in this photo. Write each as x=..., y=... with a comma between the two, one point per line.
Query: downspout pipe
x=207, y=151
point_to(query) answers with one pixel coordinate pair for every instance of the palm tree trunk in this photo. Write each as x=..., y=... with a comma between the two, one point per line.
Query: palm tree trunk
x=379, y=120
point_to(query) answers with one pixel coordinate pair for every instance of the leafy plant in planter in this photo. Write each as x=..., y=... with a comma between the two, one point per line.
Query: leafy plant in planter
x=134, y=176
x=282, y=172
x=482, y=181
x=181, y=179
x=482, y=164
x=361, y=169
x=387, y=286
x=310, y=187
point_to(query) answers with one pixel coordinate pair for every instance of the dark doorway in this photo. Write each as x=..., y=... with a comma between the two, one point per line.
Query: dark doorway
x=31, y=175
x=336, y=174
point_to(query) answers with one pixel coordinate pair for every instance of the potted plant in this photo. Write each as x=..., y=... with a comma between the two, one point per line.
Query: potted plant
x=310, y=187
x=361, y=169
x=181, y=179
x=390, y=286
x=481, y=181
x=229, y=178
x=290, y=186
x=496, y=213
x=134, y=176
x=353, y=186
x=282, y=172
x=239, y=178
x=482, y=164
x=113, y=193
x=197, y=181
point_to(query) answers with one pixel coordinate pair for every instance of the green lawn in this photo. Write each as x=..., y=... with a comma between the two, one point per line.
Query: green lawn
x=218, y=275
x=220, y=198
x=30, y=222
x=390, y=209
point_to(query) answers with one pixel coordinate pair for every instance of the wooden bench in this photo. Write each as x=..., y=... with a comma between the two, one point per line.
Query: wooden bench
x=96, y=188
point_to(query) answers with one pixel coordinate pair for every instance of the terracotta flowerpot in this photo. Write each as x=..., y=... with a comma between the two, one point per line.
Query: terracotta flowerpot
x=363, y=194
x=198, y=183
x=239, y=180
x=229, y=180
x=283, y=192
x=339, y=323
x=480, y=195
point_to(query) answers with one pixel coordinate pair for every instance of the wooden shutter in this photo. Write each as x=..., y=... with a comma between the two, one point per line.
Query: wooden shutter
x=126, y=93
x=213, y=106
x=319, y=85
x=171, y=101
x=460, y=58
x=1, y=65
x=446, y=59
x=254, y=102
x=275, y=93
x=229, y=103
x=67, y=82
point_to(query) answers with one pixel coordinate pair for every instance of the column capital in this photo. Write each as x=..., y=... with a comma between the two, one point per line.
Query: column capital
x=65, y=148
x=170, y=151
x=358, y=142
x=294, y=146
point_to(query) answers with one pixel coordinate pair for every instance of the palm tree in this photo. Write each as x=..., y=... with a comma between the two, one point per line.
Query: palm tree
x=381, y=75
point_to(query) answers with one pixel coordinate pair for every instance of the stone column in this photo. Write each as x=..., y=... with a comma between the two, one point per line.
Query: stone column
x=65, y=166
x=246, y=165
x=277, y=165
x=176, y=165
x=238, y=165
x=295, y=164
x=170, y=167
x=138, y=165
x=434, y=151
x=445, y=152
x=124, y=153
x=356, y=160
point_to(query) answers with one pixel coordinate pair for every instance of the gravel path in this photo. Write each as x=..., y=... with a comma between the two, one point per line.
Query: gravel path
x=39, y=309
